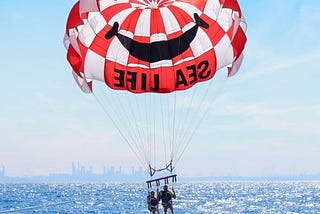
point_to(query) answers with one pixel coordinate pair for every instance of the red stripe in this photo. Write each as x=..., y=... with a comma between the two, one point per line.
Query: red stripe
x=76, y=60
x=74, y=18
x=239, y=42
x=181, y=16
x=156, y=23
x=184, y=55
x=174, y=35
x=214, y=32
x=100, y=44
x=133, y=60
x=130, y=22
x=111, y=11
x=239, y=39
x=232, y=4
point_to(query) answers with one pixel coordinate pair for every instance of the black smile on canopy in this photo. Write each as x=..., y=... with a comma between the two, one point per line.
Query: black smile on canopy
x=160, y=50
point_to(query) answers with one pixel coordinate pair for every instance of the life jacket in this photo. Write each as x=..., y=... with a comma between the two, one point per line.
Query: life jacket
x=153, y=201
x=166, y=197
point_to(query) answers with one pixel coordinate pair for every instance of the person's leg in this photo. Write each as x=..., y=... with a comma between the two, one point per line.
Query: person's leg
x=165, y=208
x=171, y=208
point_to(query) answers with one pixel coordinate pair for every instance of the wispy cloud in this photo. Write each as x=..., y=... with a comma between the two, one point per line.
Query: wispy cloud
x=281, y=41
x=277, y=64
x=5, y=124
x=309, y=17
x=304, y=119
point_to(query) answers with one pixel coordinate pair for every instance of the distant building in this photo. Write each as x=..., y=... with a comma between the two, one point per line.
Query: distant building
x=2, y=172
x=80, y=172
x=104, y=171
x=74, y=169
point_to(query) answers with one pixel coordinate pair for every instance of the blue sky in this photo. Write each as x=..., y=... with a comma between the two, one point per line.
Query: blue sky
x=266, y=121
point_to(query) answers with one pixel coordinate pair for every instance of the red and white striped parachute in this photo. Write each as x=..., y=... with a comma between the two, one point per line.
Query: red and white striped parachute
x=153, y=47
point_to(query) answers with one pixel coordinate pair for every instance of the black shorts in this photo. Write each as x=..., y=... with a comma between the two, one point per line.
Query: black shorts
x=151, y=208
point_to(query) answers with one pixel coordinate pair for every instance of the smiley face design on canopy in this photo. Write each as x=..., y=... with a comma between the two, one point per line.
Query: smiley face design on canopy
x=155, y=46
x=165, y=50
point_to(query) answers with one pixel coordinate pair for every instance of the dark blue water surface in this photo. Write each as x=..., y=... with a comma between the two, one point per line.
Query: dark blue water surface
x=213, y=197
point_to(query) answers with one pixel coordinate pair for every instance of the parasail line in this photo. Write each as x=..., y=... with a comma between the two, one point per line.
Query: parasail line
x=133, y=124
x=173, y=124
x=120, y=132
x=115, y=105
x=188, y=140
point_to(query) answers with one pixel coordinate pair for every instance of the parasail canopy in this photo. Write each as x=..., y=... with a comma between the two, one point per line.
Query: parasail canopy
x=153, y=47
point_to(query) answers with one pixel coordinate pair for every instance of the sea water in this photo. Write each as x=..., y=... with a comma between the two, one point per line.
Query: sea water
x=210, y=197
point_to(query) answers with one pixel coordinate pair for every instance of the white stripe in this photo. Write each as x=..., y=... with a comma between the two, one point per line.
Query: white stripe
x=72, y=40
x=143, y=2
x=87, y=35
x=82, y=83
x=158, y=37
x=184, y=60
x=212, y=9
x=94, y=66
x=126, y=33
x=169, y=20
x=188, y=26
x=162, y=63
x=141, y=5
x=96, y=21
x=165, y=3
x=121, y=16
x=143, y=23
x=74, y=44
x=79, y=27
x=73, y=31
x=236, y=66
x=201, y=43
x=243, y=24
x=235, y=26
x=138, y=6
x=66, y=41
x=104, y=4
x=117, y=53
x=224, y=52
x=88, y=6
x=225, y=19
x=133, y=65
x=235, y=13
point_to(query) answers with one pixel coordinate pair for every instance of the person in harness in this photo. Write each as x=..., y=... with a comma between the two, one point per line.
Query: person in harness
x=166, y=197
x=153, y=202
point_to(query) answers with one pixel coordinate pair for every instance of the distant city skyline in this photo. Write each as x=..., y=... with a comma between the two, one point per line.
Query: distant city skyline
x=82, y=173
x=2, y=171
